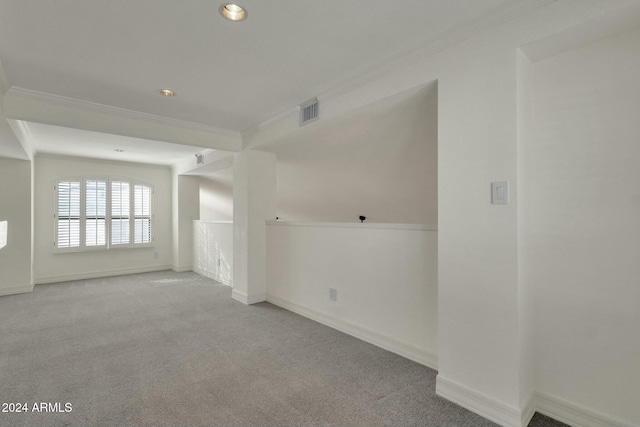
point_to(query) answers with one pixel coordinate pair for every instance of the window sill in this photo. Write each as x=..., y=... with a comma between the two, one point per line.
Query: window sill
x=101, y=248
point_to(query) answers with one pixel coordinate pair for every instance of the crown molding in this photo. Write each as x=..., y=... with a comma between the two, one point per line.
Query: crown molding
x=115, y=111
x=252, y=130
x=400, y=61
x=445, y=41
x=100, y=160
x=606, y=25
x=22, y=132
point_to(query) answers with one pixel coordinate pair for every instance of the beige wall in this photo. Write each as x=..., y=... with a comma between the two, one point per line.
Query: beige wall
x=379, y=161
x=216, y=196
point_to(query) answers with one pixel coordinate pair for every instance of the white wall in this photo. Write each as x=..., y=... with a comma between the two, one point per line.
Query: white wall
x=479, y=321
x=379, y=161
x=213, y=250
x=386, y=279
x=15, y=207
x=216, y=196
x=581, y=182
x=50, y=266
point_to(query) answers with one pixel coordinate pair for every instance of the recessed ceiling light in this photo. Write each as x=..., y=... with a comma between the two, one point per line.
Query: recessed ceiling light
x=119, y=150
x=233, y=12
x=167, y=92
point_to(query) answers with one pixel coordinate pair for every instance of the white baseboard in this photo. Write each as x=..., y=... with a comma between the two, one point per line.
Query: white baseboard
x=18, y=289
x=572, y=414
x=247, y=300
x=181, y=269
x=97, y=274
x=500, y=413
x=481, y=404
x=410, y=352
x=529, y=409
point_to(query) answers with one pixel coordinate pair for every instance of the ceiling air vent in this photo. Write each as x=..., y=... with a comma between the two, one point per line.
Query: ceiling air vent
x=309, y=112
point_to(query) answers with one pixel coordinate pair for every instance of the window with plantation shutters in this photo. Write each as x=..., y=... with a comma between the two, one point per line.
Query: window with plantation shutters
x=120, y=212
x=102, y=213
x=95, y=212
x=142, y=214
x=68, y=214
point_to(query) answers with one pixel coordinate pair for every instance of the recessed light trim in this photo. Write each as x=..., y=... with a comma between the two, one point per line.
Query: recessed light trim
x=233, y=12
x=119, y=150
x=167, y=92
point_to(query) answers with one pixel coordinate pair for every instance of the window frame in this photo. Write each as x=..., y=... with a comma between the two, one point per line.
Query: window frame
x=83, y=247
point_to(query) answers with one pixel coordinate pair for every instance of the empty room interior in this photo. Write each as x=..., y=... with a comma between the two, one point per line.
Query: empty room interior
x=320, y=213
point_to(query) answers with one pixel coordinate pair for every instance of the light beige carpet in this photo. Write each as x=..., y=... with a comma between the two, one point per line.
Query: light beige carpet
x=173, y=349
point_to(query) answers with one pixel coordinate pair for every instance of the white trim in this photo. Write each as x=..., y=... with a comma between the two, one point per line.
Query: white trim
x=18, y=289
x=529, y=409
x=181, y=268
x=574, y=415
x=55, y=156
x=414, y=353
x=22, y=132
x=488, y=407
x=254, y=299
x=381, y=225
x=239, y=296
x=493, y=19
x=455, y=36
x=98, y=274
x=116, y=111
x=207, y=221
x=257, y=128
x=247, y=300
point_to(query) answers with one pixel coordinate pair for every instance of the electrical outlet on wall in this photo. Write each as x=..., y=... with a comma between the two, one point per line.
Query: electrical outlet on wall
x=333, y=294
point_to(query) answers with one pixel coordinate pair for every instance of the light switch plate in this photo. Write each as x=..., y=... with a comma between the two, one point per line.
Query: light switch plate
x=500, y=192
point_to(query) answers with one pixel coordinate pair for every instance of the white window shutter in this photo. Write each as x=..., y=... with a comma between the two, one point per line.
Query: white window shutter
x=96, y=212
x=120, y=212
x=68, y=214
x=142, y=214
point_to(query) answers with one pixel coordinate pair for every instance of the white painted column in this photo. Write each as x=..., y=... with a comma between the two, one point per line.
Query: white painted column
x=479, y=320
x=254, y=202
x=186, y=208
